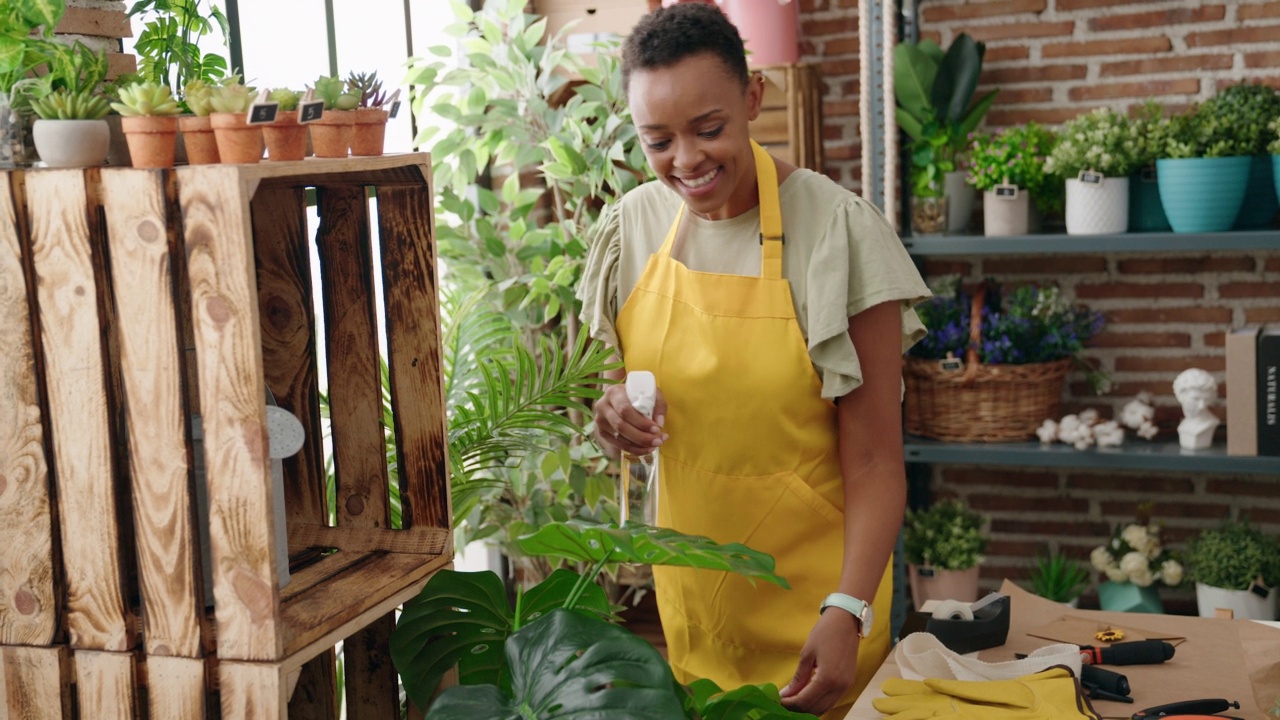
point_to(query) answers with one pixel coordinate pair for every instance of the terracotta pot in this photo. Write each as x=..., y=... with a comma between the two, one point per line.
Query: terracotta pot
x=197, y=137
x=933, y=584
x=370, y=131
x=152, y=140
x=238, y=141
x=331, y=134
x=285, y=138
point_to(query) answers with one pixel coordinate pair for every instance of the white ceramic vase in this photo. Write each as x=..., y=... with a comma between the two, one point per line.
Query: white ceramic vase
x=72, y=143
x=1002, y=216
x=1243, y=603
x=1098, y=208
x=960, y=196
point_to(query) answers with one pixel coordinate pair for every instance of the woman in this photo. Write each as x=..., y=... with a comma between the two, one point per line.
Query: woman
x=773, y=306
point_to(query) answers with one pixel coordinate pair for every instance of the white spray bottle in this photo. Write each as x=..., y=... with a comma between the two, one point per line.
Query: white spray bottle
x=642, y=392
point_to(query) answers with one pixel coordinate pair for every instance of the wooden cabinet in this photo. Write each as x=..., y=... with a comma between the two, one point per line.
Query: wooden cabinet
x=790, y=121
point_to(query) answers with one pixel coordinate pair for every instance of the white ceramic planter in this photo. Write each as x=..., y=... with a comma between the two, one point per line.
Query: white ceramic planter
x=1098, y=209
x=960, y=197
x=1243, y=603
x=1006, y=216
x=72, y=143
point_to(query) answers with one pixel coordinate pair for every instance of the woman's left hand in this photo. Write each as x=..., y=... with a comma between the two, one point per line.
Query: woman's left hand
x=828, y=663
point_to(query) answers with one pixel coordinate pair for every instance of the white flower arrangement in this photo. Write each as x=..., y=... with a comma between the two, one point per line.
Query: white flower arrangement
x=1098, y=141
x=1134, y=554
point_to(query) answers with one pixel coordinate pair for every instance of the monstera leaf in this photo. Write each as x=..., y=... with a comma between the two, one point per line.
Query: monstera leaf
x=582, y=541
x=464, y=618
x=759, y=702
x=569, y=665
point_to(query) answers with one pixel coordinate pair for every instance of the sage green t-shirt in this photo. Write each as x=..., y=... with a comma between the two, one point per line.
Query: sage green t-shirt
x=840, y=256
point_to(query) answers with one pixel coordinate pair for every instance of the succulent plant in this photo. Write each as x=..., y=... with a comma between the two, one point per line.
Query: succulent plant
x=335, y=94
x=231, y=97
x=69, y=105
x=369, y=87
x=198, y=94
x=146, y=99
x=287, y=99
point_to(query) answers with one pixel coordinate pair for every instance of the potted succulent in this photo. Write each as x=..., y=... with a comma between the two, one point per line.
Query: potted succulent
x=1252, y=106
x=1204, y=171
x=149, y=119
x=936, y=109
x=944, y=545
x=1135, y=564
x=1149, y=131
x=1236, y=566
x=197, y=129
x=238, y=141
x=331, y=134
x=1095, y=153
x=286, y=138
x=1058, y=578
x=70, y=131
x=370, y=131
x=1008, y=168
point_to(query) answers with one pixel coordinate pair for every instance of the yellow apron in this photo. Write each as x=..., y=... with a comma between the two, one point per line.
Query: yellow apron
x=751, y=458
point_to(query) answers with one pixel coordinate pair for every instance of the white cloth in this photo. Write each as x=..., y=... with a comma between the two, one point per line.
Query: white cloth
x=922, y=655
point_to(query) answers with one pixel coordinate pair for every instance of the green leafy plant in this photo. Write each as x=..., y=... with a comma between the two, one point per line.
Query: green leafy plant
x=335, y=94
x=26, y=40
x=287, y=99
x=1102, y=140
x=1150, y=131
x=1057, y=577
x=198, y=96
x=1273, y=146
x=1233, y=556
x=68, y=105
x=168, y=46
x=368, y=87
x=1232, y=123
x=946, y=535
x=1016, y=155
x=146, y=99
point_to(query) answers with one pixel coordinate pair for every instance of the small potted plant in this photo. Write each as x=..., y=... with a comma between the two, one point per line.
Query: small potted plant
x=331, y=134
x=1236, y=567
x=197, y=128
x=1058, y=578
x=1253, y=106
x=944, y=545
x=1008, y=168
x=370, y=131
x=1204, y=171
x=70, y=131
x=1095, y=153
x=149, y=118
x=26, y=36
x=238, y=141
x=1274, y=148
x=1135, y=564
x=286, y=138
x=1149, y=130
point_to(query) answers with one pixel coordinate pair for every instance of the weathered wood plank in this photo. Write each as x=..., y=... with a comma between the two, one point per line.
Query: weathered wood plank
x=175, y=688
x=288, y=341
x=316, y=696
x=421, y=540
x=224, y=307
x=351, y=348
x=35, y=683
x=27, y=606
x=252, y=691
x=372, y=689
x=105, y=685
x=151, y=354
x=80, y=416
x=411, y=289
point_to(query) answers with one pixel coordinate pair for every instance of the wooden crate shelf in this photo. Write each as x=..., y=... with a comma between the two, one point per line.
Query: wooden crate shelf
x=134, y=301
x=790, y=121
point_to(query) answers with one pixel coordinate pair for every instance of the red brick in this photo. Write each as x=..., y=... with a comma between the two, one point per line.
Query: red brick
x=1148, y=363
x=1249, y=289
x=1006, y=53
x=996, y=572
x=1160, y=511
x=1139, y=290
x=1167, y=65
x=947, y=13
x=1273, y=264
x=1126, y=389
x=1261, y=315
x=839, y=108
x=1248, y=488
x=1023, y=96
x=844, y=151
x=121, y=64
x=1147, y=339
x=1265, y=516
x=831, y=68
x=1145, y=484
x=1260, y=10
x=1015, y=548
x=833, y=132
x=1175, y=265
x=1023, y=504
x=1223, y=82
x=1084, y=4
x=1235, y=36
x=933, y=35
x=1048, y=266
x=1220, y=315
x=837, y=26
x=934, y=268
x=1215, y=339
x=1149, y=88
x=95, y=23
x=1157, y=19
x=1128, y=46
x=1037, y=74
x=1262, y=59
x=1044, y=116
x=840, y=46
x=1004, y=478
x=983, y=33
x=1053, y=528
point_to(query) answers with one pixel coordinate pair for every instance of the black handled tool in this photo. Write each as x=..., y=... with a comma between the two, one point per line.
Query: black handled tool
x=1189, y=708
x=1104, y=684
x=1139, y=652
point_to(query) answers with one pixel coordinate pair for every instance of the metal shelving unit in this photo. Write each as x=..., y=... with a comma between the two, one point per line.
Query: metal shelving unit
x=1163, y=242
x=1133, y=455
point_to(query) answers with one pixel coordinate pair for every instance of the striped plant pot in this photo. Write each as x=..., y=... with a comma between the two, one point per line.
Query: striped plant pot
x=1202, y=195
x=1098, y=209
x=1260, y=203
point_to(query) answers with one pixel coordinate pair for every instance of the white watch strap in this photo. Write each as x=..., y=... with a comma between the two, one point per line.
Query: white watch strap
x=852, y=605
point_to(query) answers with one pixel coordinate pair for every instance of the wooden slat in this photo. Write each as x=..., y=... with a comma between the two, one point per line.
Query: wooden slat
x=411, y=287
x=372, y=690
x=252, y=691
x=401, y=169
x=316, y=696
x=316, y=573
x=27, y=606
x=105, y=684
x=771, y=127
x=34, y=683
x=139, y=228
x=351, y=347
x=421, y=540
x=224, y=303
x=288, y=341
x=80, y=418
x=175, y=688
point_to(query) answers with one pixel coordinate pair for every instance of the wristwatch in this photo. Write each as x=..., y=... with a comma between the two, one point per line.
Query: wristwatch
x=859, y=609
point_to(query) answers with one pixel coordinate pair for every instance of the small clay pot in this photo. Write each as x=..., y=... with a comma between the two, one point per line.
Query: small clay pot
x=285, y=138
x=152, y=140
x=238, y=141
x=197, y=137
x=331, y=134
x=370, y=131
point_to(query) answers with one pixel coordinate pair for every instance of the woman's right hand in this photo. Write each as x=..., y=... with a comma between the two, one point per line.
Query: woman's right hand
x=619, y=426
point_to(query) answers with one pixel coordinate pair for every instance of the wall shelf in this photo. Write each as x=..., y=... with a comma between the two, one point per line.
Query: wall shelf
x=1133, y=455
x=1164, y=242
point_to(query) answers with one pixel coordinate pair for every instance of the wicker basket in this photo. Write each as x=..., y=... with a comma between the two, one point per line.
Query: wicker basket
x=973, y=402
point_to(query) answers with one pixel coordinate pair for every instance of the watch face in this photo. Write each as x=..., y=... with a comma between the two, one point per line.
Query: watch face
x=868, y=618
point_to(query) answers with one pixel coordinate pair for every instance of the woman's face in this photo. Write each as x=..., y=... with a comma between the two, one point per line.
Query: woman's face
x=692, y=119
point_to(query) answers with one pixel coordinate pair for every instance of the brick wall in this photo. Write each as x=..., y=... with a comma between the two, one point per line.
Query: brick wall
x=100, y=24
x=829, y=40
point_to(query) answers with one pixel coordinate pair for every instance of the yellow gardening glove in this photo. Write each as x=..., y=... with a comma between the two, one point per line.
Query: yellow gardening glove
x=1052, y=694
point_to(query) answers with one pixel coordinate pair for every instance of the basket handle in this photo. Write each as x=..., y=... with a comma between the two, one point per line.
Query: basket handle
x=971, y=360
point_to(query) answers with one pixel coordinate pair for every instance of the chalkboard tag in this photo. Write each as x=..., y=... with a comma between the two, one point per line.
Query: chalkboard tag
x=262, y=111
x=394, y=100
x=1091, y=177
x=951, y=363
x=924, y=571
x=1006, y=191
x=310, y=109
x=1259, y=588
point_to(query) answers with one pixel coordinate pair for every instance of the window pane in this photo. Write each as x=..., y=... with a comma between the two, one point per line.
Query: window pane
x=285, y=44
x=371, y=37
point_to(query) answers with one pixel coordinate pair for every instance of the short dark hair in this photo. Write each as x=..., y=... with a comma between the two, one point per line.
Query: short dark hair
x=668, y=35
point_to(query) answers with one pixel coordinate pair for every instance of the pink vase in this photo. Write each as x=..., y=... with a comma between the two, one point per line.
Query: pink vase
x=768, y=27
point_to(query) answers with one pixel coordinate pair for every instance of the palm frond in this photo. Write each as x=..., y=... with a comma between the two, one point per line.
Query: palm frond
x=471, y=330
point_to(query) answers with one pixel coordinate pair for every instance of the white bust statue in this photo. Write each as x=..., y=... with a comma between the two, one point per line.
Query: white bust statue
x=1195, y=390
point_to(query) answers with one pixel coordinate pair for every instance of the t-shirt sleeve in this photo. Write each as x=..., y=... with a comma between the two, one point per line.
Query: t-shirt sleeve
x=598, y=288
x=859, y=263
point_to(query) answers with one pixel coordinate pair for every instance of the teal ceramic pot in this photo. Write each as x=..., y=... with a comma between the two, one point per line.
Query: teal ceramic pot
x=1127, y=597
x=1260, y=203
x=1275, y=173
x=1202, y=195
x=1146, y=214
